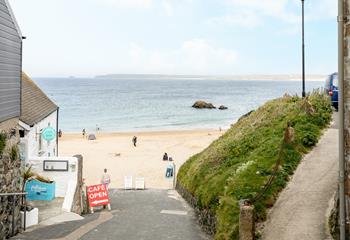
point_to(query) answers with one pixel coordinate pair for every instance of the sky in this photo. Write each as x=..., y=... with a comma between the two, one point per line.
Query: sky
x=85, y=38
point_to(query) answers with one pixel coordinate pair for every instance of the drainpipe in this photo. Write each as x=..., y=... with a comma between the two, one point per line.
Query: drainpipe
x=342, y=215
x=58, y=110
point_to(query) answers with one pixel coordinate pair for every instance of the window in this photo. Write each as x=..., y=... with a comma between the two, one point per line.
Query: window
x=21, y=133
x=335, y=80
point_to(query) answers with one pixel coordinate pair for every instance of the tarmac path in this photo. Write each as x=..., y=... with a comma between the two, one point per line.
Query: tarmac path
x=135, y=215
x=302, y=208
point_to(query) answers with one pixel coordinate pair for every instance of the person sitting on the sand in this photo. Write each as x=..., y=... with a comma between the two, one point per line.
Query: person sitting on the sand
x=106, y=178
x=165, y=157
x=170, y=159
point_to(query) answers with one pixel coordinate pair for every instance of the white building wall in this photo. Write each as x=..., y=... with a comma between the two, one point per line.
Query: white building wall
x=62, y=178
x=33, y=140
x=65, y=181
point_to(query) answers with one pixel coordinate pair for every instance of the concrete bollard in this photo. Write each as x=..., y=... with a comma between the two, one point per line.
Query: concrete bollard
x=246, y=222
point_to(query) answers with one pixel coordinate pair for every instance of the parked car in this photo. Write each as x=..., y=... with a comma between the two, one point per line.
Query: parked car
x=331, y=89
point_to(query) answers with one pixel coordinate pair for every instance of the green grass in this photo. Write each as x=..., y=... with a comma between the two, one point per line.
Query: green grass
x=238, y=164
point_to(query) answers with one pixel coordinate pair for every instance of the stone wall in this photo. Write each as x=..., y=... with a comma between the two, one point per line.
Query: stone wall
x=206, y=218
x=9, y=180
x=347, y=98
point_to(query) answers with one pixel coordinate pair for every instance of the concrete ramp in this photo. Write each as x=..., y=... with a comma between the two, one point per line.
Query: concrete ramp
x=302, y=208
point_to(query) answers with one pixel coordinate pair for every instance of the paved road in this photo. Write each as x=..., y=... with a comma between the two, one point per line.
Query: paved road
x=301, y=209
x=135, y=215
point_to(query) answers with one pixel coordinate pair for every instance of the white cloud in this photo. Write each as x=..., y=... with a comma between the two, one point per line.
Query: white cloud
x=194, y=56
x=243, y=19
x=322, y=9
x=269, y=7
x=252, y=13
x=168, y=7
x=165, y=7
x=129, y=3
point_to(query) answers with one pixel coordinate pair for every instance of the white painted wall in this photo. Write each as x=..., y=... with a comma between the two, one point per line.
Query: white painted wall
x=31, y=141
x=62, y=179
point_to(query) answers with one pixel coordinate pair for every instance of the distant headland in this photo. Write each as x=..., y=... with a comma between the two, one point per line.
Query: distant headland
x=284, y=77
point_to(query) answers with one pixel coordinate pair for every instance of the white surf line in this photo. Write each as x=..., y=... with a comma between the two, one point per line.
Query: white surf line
x=173, y=212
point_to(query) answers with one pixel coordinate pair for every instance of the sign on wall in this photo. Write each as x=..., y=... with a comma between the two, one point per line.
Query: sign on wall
x=40, y=191
x=49, y=134
x=97, y=195
x=55, y=165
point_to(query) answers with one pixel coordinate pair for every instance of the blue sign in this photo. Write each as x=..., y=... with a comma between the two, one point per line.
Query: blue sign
x=49, y=134
x=40, y=191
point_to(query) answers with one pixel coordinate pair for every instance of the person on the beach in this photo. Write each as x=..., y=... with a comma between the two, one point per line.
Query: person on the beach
x=170, y=159
x=134, y=140
x=169, y=170
x=106, y=178
x=84, y=132
x=60, y=133
x=165, y=157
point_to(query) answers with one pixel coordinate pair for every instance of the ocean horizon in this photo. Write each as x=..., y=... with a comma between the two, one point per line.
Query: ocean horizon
x=125, y=105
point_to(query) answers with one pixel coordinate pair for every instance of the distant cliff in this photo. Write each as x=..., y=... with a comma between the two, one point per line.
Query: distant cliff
x=290, y=77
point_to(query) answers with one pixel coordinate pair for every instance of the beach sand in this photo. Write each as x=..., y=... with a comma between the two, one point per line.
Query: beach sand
x=116, y=152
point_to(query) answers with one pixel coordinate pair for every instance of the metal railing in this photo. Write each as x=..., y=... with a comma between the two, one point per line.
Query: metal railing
x=15, y=197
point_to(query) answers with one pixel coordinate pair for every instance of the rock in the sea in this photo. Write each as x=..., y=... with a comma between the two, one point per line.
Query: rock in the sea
x=222, y=107
x=202, y=104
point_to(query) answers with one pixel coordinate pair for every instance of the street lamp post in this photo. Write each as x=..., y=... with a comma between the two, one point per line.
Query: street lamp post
x=303, y=50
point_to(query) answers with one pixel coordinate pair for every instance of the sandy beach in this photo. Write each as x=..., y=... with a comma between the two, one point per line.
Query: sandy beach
x=116, y=152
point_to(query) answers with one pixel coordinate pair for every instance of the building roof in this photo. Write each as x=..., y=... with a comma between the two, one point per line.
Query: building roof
x=35, y=104
x=13, y=18
x=10, y=66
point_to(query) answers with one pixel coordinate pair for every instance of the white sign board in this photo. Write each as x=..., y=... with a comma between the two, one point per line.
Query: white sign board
x=127, y=182
x=140, y=183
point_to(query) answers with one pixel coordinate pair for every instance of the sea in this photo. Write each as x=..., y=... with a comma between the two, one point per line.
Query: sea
x=128, y=105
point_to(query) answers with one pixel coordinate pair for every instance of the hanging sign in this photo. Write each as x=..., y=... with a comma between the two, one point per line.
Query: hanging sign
x=49, y=134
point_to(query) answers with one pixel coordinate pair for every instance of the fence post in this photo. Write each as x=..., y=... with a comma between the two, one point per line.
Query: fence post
x=246, y=221
x=25, y=212
x=174, y=177
x=13, y=215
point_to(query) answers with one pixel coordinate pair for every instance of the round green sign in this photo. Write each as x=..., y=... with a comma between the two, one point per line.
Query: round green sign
x=49, y=134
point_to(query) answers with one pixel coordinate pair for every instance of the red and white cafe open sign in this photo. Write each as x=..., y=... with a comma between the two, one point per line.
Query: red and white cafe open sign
x=97, y=195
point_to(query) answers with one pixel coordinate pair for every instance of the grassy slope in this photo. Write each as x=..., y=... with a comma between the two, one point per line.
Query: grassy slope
x=237, y=165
